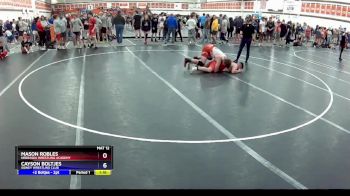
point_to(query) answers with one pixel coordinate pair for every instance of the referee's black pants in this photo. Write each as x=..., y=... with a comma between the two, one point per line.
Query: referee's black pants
x=244, y=41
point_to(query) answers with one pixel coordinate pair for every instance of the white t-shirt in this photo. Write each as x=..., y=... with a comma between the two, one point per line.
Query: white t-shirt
x=57, y=25
x=262, y=26
x=217, y=52
x=23, y=26
x=63, y=25
x=8, y=33
x=191, y=24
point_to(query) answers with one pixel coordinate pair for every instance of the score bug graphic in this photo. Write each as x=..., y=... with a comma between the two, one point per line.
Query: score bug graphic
x=64, y=160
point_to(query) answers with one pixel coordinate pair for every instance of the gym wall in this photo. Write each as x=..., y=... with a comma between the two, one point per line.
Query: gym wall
x=27, y=9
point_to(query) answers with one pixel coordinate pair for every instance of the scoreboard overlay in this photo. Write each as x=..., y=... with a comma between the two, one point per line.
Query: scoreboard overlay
x=64, y=160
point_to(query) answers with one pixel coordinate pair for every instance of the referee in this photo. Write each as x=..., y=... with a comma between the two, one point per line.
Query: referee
x=247, y=32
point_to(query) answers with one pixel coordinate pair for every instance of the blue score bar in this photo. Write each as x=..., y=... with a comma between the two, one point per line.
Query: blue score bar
x=26, y=172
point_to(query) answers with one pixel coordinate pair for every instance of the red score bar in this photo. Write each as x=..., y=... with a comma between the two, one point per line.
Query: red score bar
x=73, y=156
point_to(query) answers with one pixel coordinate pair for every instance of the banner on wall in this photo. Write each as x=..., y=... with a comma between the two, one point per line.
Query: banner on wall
x=124, y=5
x=141, y=4
x=194, y=6
x=178, y=6
x=274, y=5
x=292, y=7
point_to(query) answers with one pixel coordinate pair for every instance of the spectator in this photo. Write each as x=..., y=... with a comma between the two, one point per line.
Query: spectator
x=119, y=22
x=146, y=26
x=172, y=25
x=104, y=27
x=191, y=26
x=3, y=51
x=270, y=27
x=26, y=44
x=154, y=24
x=41, y=26
x=22, y=27
x=64, y=30
x=34, y=28
x=214, y=29
x=179, y=28
x=230, y=28
x=77, y=27
x=57, y=23
x=137, y=24
x=224, y=27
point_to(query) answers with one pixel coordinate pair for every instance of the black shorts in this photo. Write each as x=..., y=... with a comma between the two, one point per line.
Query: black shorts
x=137, y=28
x=77, y=34
x=269, y=33
x=238, y=30
x=146, y=30
x=154, y=30
x=20, y=33
x=103, y=30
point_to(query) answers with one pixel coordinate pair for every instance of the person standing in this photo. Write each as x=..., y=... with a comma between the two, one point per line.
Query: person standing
x=191, y=26
x=146, y=26
x=85, y=30
x=69, y=28
x=22, y=27
x=165, y=28
x=92, y=31
x=289, y=33
x=58, y=30
x=41, y=26
x=161, y=26
x=239, y=25
x=34, y=30
x=202, y=20
x=179, y=27
x=270, y=30
x=64, y=34
x=119, y=22
x=307, y=34
x=206, y=35
x=283, y=32
x=230, y=28
x=154, y=24
x=247, y=35
x=223, y=29
x=1, y=30
x=98, y=27
x=214, y=29
x=137, y=24
x=171, y=23
x=76, y=26
x=262, y=31
x=104, y=27
x=343, y=42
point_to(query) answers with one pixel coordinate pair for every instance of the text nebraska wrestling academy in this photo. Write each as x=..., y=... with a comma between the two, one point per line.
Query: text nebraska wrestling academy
x=42, y=156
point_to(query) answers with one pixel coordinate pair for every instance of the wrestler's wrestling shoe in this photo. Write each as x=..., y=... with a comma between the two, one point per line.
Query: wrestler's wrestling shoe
x=187, y=60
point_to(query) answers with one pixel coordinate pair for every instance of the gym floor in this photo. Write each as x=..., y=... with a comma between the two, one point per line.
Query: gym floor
x=282, y=124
